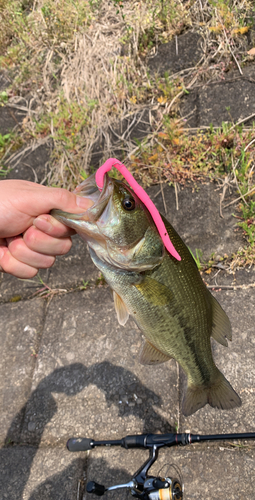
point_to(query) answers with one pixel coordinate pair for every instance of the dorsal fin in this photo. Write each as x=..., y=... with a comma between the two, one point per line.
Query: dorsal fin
x=121, y=310
x=149, y=355
x=221, y=327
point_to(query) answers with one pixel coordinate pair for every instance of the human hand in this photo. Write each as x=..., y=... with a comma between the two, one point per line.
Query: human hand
x=30, y=238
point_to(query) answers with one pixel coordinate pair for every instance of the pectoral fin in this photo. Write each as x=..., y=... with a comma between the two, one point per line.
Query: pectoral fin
x=154, y=292
x=149, y=355
x=121, y=310
x=221, y=328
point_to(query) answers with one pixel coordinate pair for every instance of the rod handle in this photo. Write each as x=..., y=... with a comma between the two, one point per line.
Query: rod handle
x=79, y=444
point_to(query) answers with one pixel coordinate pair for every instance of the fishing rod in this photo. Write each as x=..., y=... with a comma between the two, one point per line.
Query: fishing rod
x=142, y=485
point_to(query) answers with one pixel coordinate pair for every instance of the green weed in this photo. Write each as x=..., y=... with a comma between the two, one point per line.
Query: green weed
x=4, y=140
x=3, y=97
x=9, y=143
x=84, y=175
x=198, y=258
x=84, y=285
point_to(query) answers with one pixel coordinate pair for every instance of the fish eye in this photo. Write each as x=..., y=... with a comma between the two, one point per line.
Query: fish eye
x=128, y=204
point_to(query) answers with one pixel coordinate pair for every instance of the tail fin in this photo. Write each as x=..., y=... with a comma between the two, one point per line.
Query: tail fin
x=219, y=395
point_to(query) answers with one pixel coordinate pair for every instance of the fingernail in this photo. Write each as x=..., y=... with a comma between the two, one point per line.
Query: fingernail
x=43, y=223
x=84, y=203
x=1, y=253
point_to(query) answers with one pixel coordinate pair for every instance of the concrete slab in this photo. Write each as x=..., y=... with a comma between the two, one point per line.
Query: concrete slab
x=198, y=219
x=182, y=52
x=237, y=364
x=73, y=268
x=13, y=289
x=87, y=377
x=9, y=118
x=32, y=165
x=228, y=100
x=20, y=330
x=31, y=474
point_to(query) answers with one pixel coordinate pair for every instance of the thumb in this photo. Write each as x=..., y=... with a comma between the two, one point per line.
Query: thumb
x=60, y=199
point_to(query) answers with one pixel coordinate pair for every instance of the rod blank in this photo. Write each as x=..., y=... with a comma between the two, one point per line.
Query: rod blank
x=150, y=440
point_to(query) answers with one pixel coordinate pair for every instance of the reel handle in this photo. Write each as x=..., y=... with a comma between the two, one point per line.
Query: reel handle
x=96, y=488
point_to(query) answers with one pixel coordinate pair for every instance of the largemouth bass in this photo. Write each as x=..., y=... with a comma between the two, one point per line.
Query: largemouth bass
x=166, y=298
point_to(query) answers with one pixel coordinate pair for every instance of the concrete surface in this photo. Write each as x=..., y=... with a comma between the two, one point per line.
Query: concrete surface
x=180, y=53
x=69, y=369
x=230, y=100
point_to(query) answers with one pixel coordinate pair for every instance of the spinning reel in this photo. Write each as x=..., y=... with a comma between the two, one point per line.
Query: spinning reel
x=142, y=485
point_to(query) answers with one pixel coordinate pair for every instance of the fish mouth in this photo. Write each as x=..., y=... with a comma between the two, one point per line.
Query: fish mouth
x=87, y=189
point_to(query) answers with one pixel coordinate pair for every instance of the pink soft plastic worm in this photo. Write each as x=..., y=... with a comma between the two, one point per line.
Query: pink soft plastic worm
x=142, y=195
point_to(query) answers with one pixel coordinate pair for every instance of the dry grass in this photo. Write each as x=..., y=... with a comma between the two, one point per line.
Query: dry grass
x=78, y=68
x=68, y=56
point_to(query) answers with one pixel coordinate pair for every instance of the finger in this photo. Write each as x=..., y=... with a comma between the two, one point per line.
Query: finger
x=52, y=226
x=25, y=201
x=12, y=266
x=20, y=251
x=45, y=244
x=43, y=199
x=63, y=200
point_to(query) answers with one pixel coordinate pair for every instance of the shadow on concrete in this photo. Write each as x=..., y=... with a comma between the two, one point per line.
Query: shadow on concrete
x=118, y=385
x=69, y=380
x=52, y=488
x=108, y=377
x=62, y=486
x=17, y=460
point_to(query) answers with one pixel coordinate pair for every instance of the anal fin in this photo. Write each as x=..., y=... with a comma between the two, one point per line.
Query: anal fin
x=221, y=328
x=121, y=310
x=149, y=355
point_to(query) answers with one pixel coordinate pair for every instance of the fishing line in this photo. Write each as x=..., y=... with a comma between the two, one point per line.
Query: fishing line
x=142, y=195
